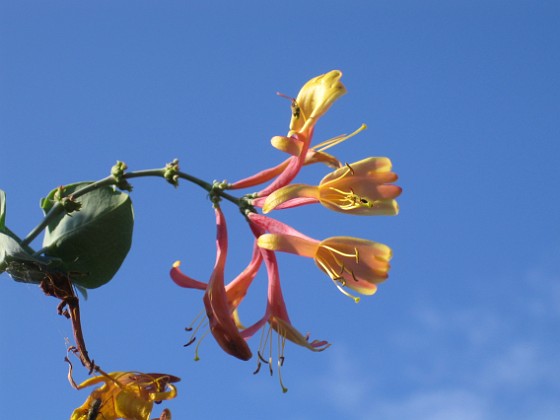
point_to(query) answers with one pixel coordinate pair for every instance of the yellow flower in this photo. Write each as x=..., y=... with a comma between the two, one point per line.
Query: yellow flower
x=352, y=263
x=126, y=395
x=314, y=99
x=362, y=188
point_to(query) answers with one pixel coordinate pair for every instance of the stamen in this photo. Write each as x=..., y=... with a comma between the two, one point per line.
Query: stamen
x=196, y=357
x=342, y=270
x=262, y=345
x=192, y=340
x=270, y=354
x=281, y=346
x=326, y=268
x=339, y=252
x=339, y=281
x=261, y=357
x=201, y=321
x=344, y=292
x=321, y=147
x=352, y=199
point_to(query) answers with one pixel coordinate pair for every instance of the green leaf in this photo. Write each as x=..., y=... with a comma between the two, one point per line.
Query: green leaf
x=19, y=264
x=2, y=210
x=94, y=241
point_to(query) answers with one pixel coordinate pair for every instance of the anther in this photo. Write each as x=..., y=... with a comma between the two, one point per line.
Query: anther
x=192, y=340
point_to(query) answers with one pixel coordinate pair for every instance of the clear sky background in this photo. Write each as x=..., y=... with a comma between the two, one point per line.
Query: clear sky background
x=463, y=96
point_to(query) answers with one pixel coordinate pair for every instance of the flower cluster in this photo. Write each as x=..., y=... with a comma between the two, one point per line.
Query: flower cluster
x=361, y=188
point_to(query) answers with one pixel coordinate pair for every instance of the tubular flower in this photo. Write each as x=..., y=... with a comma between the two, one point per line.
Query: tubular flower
x=220, y=314
x=276, y=312
x=313, y=100
x=352, y=263
x=276, y=315
x=362, y=188
x=125, y=395
x=235, y=291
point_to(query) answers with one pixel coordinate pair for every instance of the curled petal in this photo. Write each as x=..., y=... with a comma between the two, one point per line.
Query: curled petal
x=287, y=330
x=315, y=98
x=183, y=280
x=290, y=145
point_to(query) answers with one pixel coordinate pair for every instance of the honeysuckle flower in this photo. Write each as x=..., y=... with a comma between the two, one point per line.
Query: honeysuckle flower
x=125, y=395
x=276, y=315
x=361, y=188
x=235, y=292
x=313, y=100
x=352, y=263
x=315, y=154
x=219, y=312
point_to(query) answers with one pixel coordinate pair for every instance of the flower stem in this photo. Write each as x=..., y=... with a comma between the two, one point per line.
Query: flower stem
x=57, y=208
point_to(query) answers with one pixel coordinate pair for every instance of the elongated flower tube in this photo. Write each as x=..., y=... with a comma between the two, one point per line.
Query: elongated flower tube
x=352, y=263
x=220, y=314
x=312, y=156
x=313, y=100
x=127, y=395
x=276, y=315
x=361, y=188
x=278, y=318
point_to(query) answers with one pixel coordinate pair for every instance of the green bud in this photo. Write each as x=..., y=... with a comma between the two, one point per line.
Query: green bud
x=117, y=171
x=68, y=203
x=171, y=172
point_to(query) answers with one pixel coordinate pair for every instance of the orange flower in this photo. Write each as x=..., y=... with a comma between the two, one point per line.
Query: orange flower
x=313, y=100
x=222, y=315
x=352, y=263
x=126, y=395
x=362, y=188
x=221, y=320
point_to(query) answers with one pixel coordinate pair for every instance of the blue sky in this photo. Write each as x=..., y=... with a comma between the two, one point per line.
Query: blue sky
x=463, y=96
